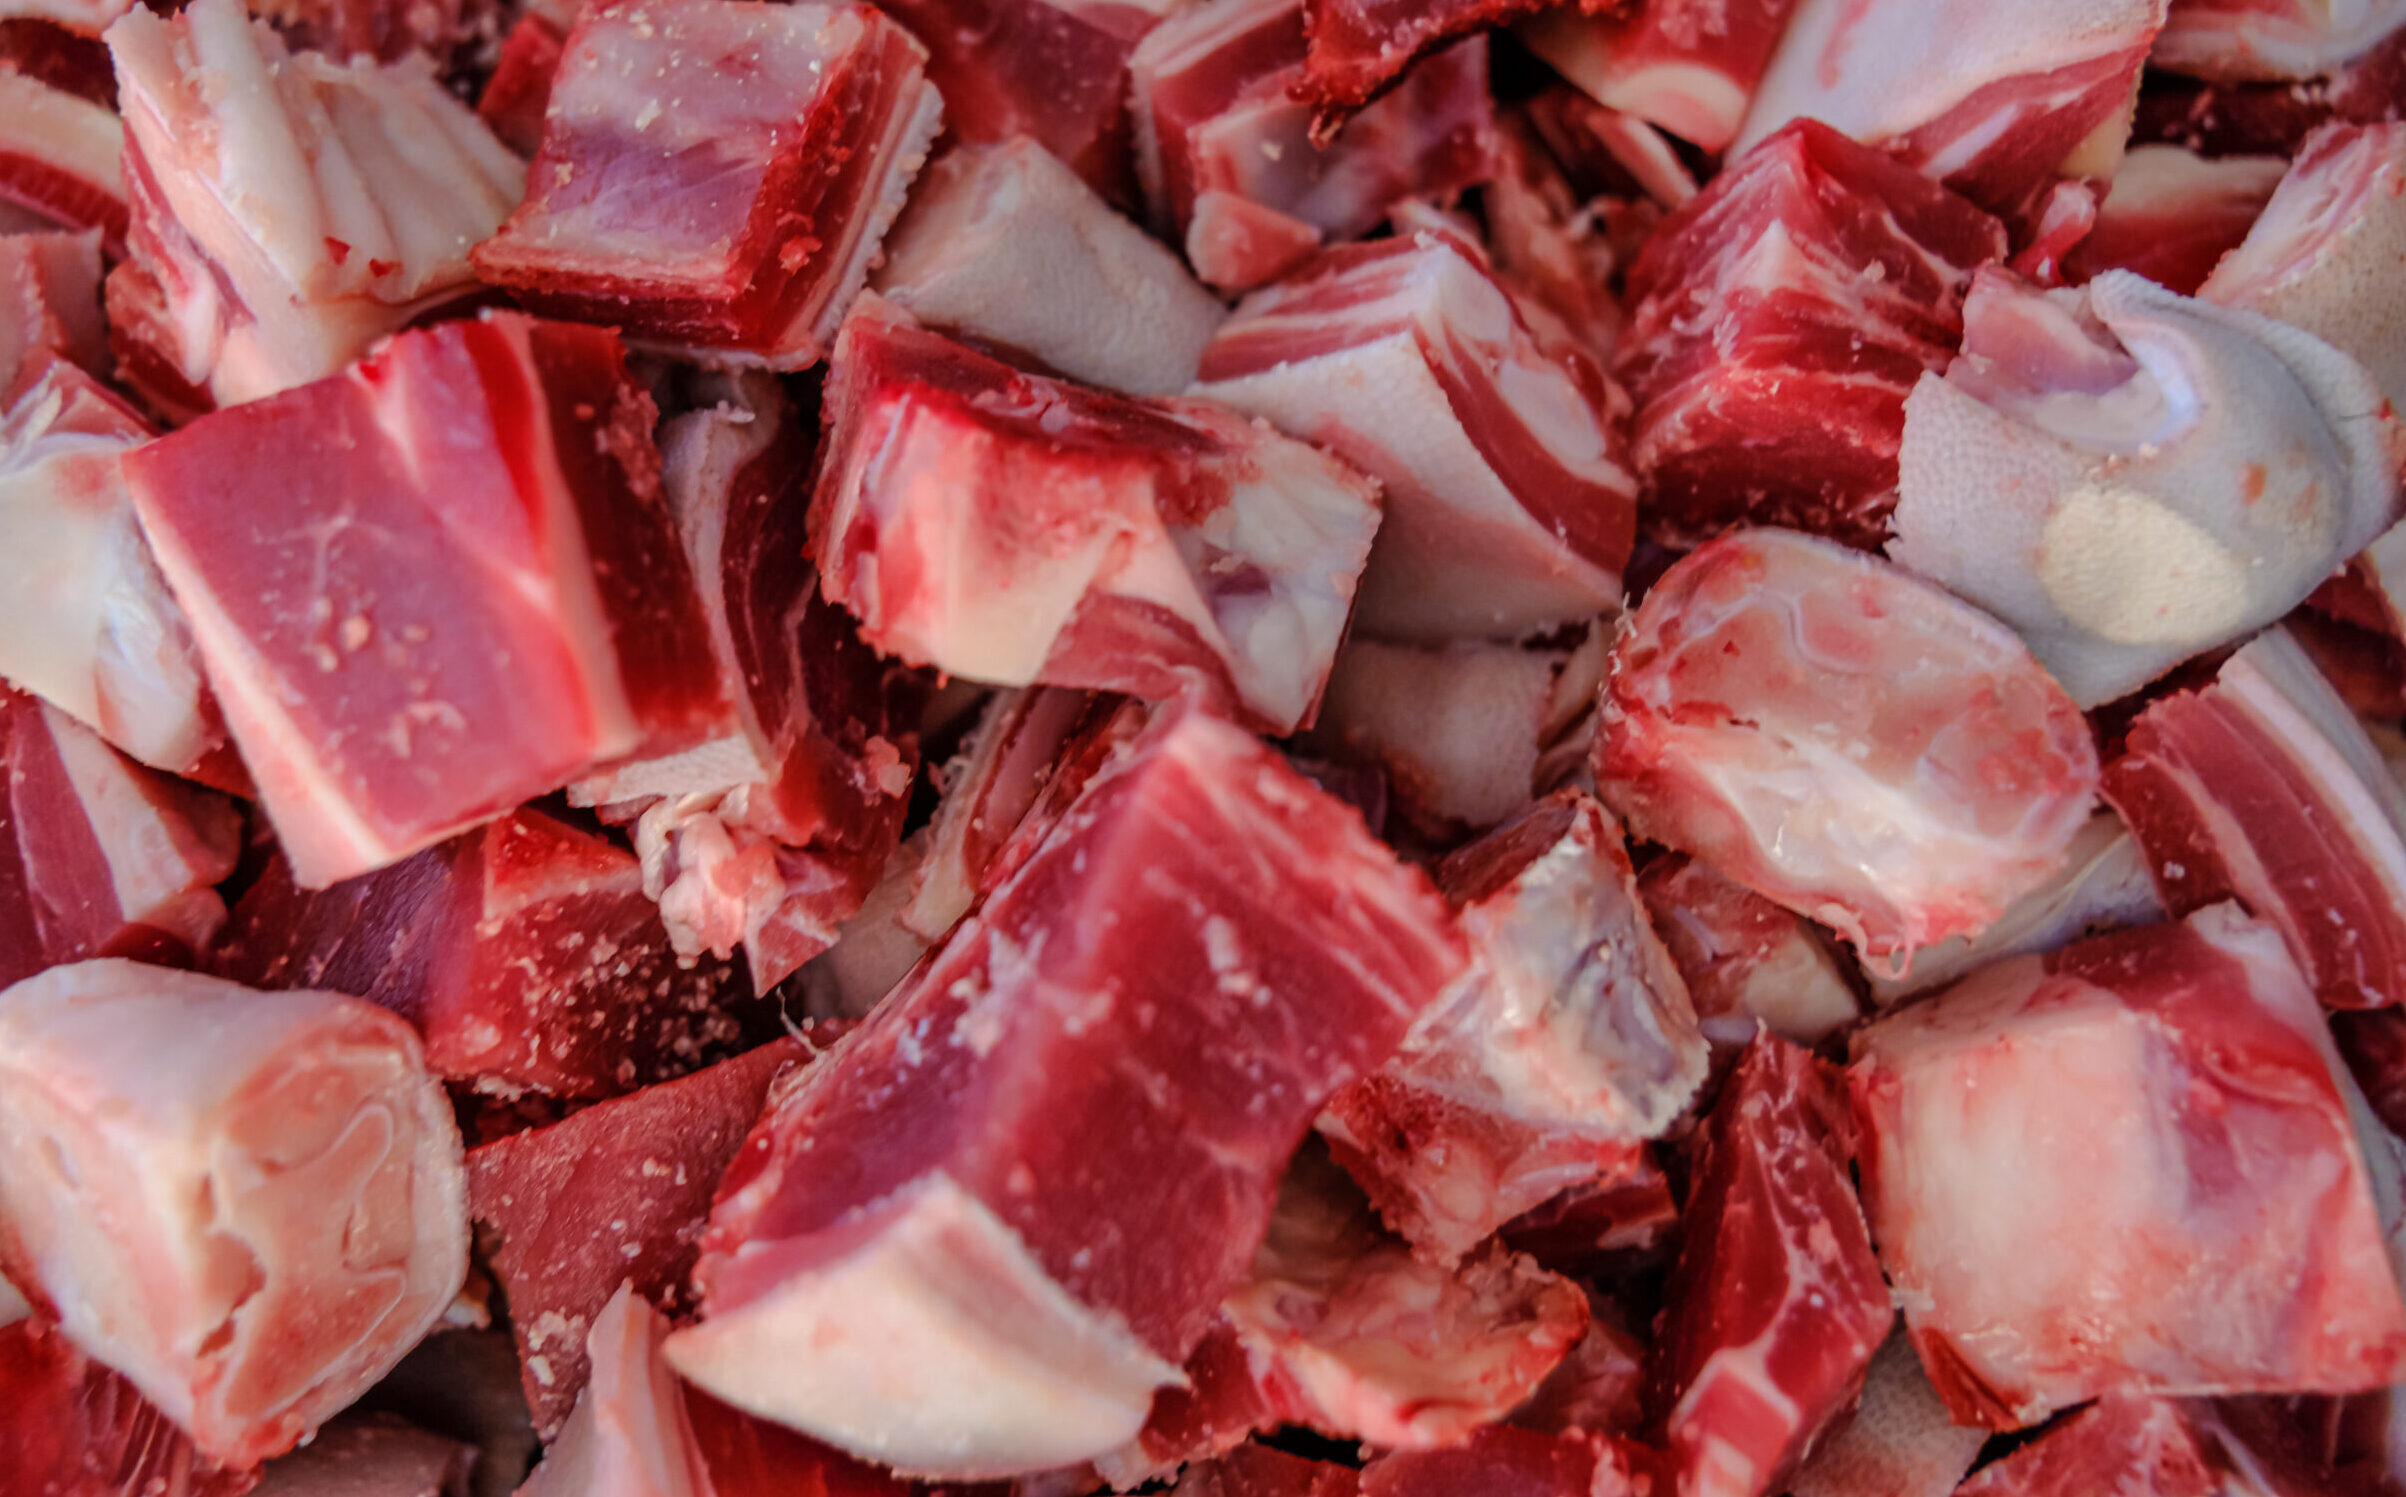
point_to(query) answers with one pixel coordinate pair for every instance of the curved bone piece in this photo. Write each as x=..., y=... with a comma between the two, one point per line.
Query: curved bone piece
x=2130, y=478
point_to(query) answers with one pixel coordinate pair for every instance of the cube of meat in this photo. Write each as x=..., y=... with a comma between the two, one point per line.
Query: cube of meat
x=1010, y=528
x=2173, y=214
x=1509, y=506
x=251, y=1204
x=1072, y=1120
x=290, y=210
x=1778, y=321
x=59, y=156
x=715, y=176
x=50, y=305
x=1686, y=66
x=2233, y=41
x=1844, y=738
x=461, y=591
x=2133, y=1166
x=65, y=1418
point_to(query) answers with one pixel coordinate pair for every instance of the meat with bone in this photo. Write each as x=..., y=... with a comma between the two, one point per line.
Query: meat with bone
x=1778, y=322
x=2165, y=1447
x=1844, y=738
x=1899, y=1441
x=1775, y=1304
x=2262, y=787
x=249, y=1203
x=525, y=953
x=738, y=225
x=50, y=304
x=1004, y=245
x=2132, y=1166
x=1225, y=148
x=1509, y=508
x=1748, y=964
x=2236, y=41
x=1259, y=1471
x=1686, y=66
x=70, y=1426
x=1998, y=102
x=1571, y=1043
x=1061, y=1140
x=98, y=855
x=2130, y=478
x=1357, y=49
x=462, y=590
x=290, y=210
x=59, y=156
x=630, y=1435
x=1010, y=528
x=2173, y=214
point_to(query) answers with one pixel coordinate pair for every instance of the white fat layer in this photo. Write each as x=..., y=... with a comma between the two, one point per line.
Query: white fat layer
x=71, y=135
x=2272, y=43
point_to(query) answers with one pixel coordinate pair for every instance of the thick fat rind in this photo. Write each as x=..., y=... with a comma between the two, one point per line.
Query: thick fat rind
x=2136, y=1165
x=251, y=1204
x=1061, y=1141
x=60, y=155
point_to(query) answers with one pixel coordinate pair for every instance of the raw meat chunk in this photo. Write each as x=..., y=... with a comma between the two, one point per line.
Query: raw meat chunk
x=2260, y=786
x=370, y=1456
x=1259, y=1471
x=630, y=1435
x=525, y=953
x=1359, y=48
x=1775, y=1304
x=1509, y=508
x=750, y=1457
x=1747, y=963
x=461, y=590
x=98, y=855
x=1778, y=322
x=1010, y=528
x=59, y=156
x=2173, y=214
x=2163, y=1447
x=2130, y=1166
x=70, y=1426
x=2274, y=119
x=2233, y=41
x=1507, y=1462
x=715, y=176
x=1899, y=1441
x=518, y=95
x=1555, y=250
x=249, y=1203
x=49, y=305
x=290, y=210
x=1686, y=66
x=2130, y=478
x=1004, y=244
x=1597, y=1228
x=1842, y=737
x=1060, y=1143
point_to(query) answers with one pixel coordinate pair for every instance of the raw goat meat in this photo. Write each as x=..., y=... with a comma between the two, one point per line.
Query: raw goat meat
x=452, y=32
x=1003, y=244
x=2164, y=1447
x=518, y=95
x=1997, y=101
x=750, y=1457
x=1686, y=66
x=1061, y=1139
x=1844, y=738
x=1599, y=1386
x=2262, y=787
x=1011, y=528
x=1509, y=509
x=1775, y=1304
x=2234, y=41
x=289, y=210
x=98, y=855
x=372, y=1456
x=1899, y=1441
x=630, y=1435
x=1572, y=1042
x=49, y=305
x=70, y=1426
x=1506, y=1462
x=1357, y=49
x=2274, y=119
x=59, y=156
x=2172, y=214
x=1748, y=964
x=2134, y=1165
x=86, y=621
x=525, y=953
x=249, y=1203
x=1604, y=1226
x=616, y=1192
x=1225, y=151
x=2130, y=478
x=1556, y=251
x=1778, y=321
x=461, y=590
x=738, y=224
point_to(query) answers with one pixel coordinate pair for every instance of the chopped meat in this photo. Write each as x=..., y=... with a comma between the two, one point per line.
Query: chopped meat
x=370, y=1456
x=1748, y=963
x=59, y=156
x=448, y=31
x=1844, y=738
x=1599, y=1386
x=2238, y=41
x=1072, y=1120
x=1357, y=49
x=1004, y=245
x=738, y=224
x=1899, y=1442
x=1011, y=528
x=630, y=1435
x=2274, y=119
x=518, y=94
x=249, y=1203
x=49, y=304
x=1259, y=1471
x=2130, y=1166
x=290, y=210
x=70, y=1426
x=1778, y=322
x=462, y=589
x=2173, y=214
x=80, y=17
x=1595, y=1228
x=2130, y=478
x=1509, y=508
x=1506, y=1462
x=750, y=1457
x=2164, y=1447
x=1555, y=250
x=1686, y=66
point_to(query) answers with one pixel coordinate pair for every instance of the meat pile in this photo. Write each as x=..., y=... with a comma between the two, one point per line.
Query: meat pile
x=1242, y=748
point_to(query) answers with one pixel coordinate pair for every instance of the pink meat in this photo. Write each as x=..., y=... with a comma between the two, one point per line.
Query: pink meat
x=1072, y=1118
x=1998, y=102
x=1572, y=1043
x=739, y=224
x=1843, y=738
x=1508, y=1462
x=1359, y=48
x=1747, y=962
x=1778, y=321
x=2262, y=787
x=518, y=94
x=2131, y=1166
x=525, y=953
x=2235, y=41
x=1899, y=1440
x=462, y=591
x=1775, y=1304
x=50, y=304
x=630, y=1435
x=1225, y=148
x=2172, y=214
x=614, y=1193
x=1687, y=66
x=70, y=1427
x=59, y=156
x=250, y=1204
x=371, y=1456
x=1011, y=528
x=1509, y=506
